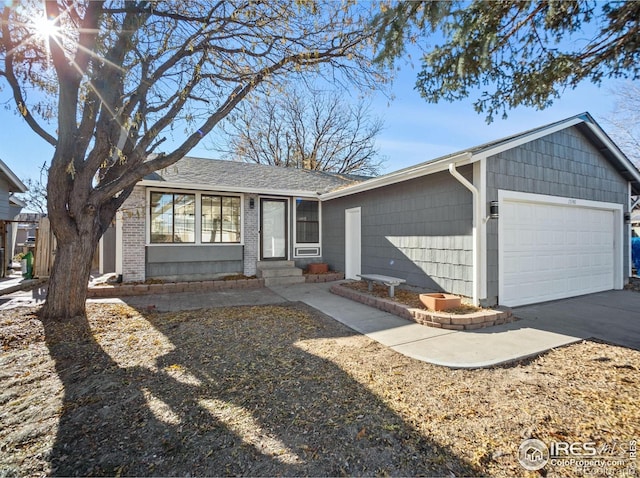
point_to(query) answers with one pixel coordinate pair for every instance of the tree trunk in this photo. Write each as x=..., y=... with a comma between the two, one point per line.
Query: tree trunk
x=67, y=291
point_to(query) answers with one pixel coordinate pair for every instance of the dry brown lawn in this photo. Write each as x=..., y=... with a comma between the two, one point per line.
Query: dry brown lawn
x=284, y=390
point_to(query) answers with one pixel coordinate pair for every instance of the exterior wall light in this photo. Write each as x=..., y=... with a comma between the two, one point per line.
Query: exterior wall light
x=493, y=210
x=252, y=203
x=627, y=218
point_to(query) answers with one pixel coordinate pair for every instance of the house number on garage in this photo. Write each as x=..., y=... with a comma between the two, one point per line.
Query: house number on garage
x=573, y=201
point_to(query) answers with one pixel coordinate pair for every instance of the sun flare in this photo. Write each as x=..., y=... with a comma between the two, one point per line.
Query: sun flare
x=45, y=27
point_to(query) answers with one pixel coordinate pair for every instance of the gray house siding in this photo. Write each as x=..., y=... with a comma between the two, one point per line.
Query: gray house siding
x=5, y=213
x=193, y=262
x=563, y=164
x=418, y=230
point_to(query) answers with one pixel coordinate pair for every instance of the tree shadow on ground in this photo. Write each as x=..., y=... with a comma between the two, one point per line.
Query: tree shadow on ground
x=223, y=392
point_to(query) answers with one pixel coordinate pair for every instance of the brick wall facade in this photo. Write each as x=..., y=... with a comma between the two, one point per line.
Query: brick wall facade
x=251, y=236
x=134, y=236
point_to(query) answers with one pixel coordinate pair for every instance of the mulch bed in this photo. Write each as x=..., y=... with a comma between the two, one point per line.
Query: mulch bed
x=285, y=390
x=403, y=296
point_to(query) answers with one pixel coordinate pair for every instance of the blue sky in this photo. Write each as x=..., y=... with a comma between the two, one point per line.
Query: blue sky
x=415, y=131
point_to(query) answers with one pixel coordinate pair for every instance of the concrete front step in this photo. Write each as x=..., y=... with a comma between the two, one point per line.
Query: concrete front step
x=279, y=281
x=280, y=272
x=263, y=265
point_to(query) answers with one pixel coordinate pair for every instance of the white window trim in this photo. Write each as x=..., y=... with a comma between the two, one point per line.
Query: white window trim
x=304, y=245
x=198, y=218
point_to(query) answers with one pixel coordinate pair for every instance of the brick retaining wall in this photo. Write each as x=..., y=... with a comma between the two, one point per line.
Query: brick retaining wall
x=444, y=320
x=121, y=290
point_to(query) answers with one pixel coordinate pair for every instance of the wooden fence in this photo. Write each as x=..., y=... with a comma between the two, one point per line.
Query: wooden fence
x=45, y=249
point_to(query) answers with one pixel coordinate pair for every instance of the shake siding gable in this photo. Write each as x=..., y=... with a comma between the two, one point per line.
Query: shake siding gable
x=564, y=164
x=418, y=230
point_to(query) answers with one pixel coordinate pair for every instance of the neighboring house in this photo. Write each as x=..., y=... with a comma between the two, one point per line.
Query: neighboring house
x=26, y=230
x=10, y=207
x=558, y=195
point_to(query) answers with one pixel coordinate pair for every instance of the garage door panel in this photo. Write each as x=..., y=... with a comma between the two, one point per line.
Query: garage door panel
x=551, y=251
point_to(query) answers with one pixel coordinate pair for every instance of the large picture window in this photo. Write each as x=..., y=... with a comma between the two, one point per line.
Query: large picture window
x=173, y=218
x=220, y=219
x=307, y=222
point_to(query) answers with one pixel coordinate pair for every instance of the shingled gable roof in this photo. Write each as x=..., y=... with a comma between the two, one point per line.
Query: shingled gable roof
x=584, y=122
x=234, y=176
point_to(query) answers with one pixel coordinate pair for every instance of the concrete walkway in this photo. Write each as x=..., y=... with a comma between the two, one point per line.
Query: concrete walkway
x=612, y=316
x=469, y=349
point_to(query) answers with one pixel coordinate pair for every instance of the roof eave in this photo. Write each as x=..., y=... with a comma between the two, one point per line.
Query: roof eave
x=18, y=186
x=420, y=170
x=17, y=201
x=229, y=189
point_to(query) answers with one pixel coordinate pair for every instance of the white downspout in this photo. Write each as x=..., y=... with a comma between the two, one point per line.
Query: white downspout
x=477, y=214
x=632, y=206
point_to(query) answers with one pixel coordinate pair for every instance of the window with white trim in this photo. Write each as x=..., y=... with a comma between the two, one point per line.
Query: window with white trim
x=173, y=218
x=220, y=219
x=307, y=221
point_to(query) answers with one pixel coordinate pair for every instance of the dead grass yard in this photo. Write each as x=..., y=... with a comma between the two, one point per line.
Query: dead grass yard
x=284, y=390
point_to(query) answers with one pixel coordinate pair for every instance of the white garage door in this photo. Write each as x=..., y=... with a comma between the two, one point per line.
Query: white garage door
x=551, y=251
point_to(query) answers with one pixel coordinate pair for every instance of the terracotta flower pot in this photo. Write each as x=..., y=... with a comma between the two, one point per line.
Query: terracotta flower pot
x=318, y=268
x=440, y=301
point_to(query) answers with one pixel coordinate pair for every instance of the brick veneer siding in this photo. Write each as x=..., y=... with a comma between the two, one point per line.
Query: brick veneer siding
x=251, y=236
x=134, y=236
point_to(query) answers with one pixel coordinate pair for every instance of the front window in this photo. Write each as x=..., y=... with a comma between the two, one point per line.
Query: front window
x=220, y=219
x=307, y=222
x=172, y=218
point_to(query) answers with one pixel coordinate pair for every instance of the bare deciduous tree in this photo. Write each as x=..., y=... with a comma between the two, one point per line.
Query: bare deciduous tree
x=118, y=76
x=305, y=129
x=625, y=120
x=36, y=195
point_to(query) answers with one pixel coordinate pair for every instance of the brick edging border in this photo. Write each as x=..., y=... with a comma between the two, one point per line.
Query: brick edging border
x=121, y=290
x=473, y=321
x=330, y=277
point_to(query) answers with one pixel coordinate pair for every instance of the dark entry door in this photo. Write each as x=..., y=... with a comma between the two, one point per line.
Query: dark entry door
x=273, y=229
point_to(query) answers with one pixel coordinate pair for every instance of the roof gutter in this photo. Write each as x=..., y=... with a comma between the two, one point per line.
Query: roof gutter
x=209, y=187
x=476, y=236
x=399, y=176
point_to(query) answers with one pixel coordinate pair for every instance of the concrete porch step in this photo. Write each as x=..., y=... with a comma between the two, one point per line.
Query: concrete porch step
x=279, y=281
x=281, y=272
x=264, y=265
x=278, y=270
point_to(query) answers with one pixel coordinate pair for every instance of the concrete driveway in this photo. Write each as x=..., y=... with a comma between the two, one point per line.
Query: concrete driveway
x=612, y=316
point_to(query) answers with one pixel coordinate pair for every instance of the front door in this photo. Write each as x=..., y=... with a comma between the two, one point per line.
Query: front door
x=352, y=243
x=273, y=229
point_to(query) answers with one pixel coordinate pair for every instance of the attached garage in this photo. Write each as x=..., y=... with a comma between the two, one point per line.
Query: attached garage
x=533, y=217
x=553, y=248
